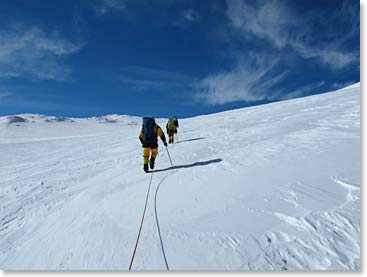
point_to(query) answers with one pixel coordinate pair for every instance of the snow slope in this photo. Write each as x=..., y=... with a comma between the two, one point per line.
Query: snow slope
x=270, y=187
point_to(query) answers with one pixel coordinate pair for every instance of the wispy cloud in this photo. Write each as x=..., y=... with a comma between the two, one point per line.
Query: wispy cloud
x=283, y=94
x=330, y=49
x=106, y=6
x=274, y=22
x=152, y=79
x=5, y=94
x=339, y=85
x=269, y=20
x=336, y=59
x=279, y=30
x=35, y=54
x=190, y=15
x=249, y=81
x=186, y=18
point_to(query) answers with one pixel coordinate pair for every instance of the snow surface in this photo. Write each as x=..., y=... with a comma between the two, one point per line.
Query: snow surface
x=272, y=187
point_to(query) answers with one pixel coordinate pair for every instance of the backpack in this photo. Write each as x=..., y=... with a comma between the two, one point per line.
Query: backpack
x=149, y=128
x=171, y=124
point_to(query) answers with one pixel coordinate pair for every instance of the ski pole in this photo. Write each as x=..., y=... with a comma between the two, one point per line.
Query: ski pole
x=169, y=156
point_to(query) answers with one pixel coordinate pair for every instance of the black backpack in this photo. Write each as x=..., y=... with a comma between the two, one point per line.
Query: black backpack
x=149, y=128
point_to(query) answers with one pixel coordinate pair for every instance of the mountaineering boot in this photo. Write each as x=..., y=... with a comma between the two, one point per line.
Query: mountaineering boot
x=146, y=169
x=151, y=163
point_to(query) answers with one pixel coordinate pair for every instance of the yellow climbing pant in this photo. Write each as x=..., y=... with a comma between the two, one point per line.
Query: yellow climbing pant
x=146, y=153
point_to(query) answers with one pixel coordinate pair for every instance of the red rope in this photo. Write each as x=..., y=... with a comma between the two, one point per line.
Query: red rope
x=141, y=223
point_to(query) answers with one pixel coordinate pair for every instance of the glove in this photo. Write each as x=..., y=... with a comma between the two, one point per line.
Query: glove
x=165, y=144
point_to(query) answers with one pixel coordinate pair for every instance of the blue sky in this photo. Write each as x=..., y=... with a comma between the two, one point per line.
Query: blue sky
x=171, y=57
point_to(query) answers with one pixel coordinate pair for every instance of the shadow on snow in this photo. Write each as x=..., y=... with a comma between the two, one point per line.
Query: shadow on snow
x=189, y=165
x=189, y=140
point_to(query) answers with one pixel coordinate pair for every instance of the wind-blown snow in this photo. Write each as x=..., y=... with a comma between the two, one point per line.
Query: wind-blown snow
x=263, y=188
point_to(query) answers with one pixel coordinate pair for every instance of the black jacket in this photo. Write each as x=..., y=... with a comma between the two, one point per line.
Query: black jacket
x=152, y=141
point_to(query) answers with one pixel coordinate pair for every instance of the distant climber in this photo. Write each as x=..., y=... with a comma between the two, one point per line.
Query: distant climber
x=149, y=138
x=172, y=126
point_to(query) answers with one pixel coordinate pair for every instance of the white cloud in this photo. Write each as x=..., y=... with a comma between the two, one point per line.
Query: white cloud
x=32, y=53
x=335, y=59
x=340, y=85
x=274, y=22
x=249, y=81
x=299, y=92
x=278, y=30
x=5, y=94
x=186, y=18
x=267, y=20
x=105, y=6
x=190, y=15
